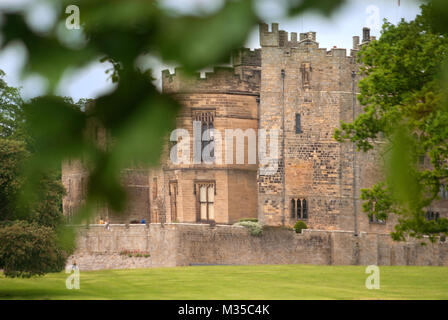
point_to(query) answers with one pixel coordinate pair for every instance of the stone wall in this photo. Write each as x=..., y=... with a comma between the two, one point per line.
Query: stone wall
x=195, y=244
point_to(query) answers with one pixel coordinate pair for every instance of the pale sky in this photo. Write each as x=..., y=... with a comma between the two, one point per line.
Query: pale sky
x=91, y=81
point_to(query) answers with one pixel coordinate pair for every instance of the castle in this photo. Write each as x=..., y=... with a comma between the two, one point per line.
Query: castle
x=291, y=85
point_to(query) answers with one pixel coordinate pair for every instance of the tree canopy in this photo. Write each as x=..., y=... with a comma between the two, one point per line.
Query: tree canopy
x=404, y=99
x=29, y=230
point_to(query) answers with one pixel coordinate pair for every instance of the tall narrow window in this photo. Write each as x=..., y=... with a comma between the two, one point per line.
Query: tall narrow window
x=304, y=209
x=205, y=192
x=298, y=125
x=443, y=192
x=69, y=191
x=207, y=118
x=299, y=209
x=203, y=202
x=305, y=70
x=211, y=202
x=293, y=208
x=173, y=200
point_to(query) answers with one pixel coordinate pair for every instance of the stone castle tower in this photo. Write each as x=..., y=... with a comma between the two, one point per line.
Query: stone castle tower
x=290, y=84
x=306, y=91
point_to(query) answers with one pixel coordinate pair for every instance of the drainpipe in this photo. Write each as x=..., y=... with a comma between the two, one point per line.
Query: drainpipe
x=283, y=147
x=355, y=207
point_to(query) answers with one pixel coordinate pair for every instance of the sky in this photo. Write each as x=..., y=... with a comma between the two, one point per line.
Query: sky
x=92, y=81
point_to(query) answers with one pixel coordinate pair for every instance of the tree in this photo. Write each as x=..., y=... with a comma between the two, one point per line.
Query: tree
x=29, y=225
x=11, y=114
x=28, y=230
x=403, y=93
x=11, y=154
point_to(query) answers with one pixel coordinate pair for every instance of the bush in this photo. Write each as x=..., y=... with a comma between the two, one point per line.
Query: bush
x=28, y=249
x=255, y=229
x=299, y=226
x=248, y=219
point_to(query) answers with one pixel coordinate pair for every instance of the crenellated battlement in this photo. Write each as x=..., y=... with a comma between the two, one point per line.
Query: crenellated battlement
x=280, y=38
x=243, y=77
x=307, y=41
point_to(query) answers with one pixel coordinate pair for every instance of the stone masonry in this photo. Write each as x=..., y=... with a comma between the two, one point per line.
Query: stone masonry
x=289, y=84
x=198, y=244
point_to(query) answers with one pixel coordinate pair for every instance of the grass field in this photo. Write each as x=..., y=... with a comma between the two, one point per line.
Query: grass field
x=236, y=282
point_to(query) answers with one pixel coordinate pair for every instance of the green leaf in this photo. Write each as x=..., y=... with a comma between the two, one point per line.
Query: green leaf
x=57, y=127
x=197, y=42
x=46, y=55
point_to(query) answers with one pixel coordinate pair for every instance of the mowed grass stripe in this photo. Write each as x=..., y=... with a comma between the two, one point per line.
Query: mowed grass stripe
x=236, y=282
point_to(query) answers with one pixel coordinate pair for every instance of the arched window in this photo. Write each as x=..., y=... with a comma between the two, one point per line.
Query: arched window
x=299, y=209
x=293, y=208
x=304, y=209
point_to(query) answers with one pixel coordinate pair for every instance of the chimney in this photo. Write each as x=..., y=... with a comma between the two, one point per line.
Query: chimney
x=355, y=42
x=365, y=34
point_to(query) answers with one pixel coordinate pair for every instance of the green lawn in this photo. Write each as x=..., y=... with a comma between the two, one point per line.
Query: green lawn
x=236, y=282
